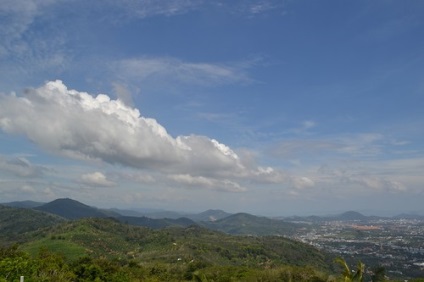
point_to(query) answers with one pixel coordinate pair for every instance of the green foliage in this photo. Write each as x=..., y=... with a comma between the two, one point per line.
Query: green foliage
x=12, y=268
x=281, y=273
x=247, y=224
x=379, y=274
x=51, y=267
x=100, y=249
x=88, y=269
x=13, y=263
x=69, y=250
x=46, y=266
x=108, y=250
x=15, y=223
x=111, y=239
x=347, y=274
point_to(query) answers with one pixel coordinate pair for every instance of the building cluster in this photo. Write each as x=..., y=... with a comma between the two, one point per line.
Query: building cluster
x=396, y=244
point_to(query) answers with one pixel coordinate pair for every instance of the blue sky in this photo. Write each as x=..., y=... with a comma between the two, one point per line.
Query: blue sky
x=268, y=107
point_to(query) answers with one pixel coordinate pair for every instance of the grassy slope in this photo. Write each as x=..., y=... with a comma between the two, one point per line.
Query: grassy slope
x=111, y=239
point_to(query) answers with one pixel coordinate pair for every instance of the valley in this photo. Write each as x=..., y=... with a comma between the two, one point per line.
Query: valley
x=215, y=242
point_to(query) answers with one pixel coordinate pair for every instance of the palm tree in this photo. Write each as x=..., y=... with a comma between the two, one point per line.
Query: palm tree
x=351, y=276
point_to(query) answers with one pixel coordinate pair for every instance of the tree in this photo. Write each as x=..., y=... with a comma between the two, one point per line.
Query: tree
x=379, y=274
x=351, y=276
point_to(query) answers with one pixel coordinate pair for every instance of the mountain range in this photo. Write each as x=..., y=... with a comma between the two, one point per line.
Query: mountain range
x=167, y=251
x=237, y=224
x=213, y=238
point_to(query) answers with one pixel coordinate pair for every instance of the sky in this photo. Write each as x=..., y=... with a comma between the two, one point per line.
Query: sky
x=261, y=106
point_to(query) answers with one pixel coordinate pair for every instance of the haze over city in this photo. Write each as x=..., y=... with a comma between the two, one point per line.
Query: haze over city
x=268, y=107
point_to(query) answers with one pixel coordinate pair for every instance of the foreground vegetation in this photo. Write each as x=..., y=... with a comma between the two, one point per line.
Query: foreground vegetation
x=48, y=266
x=48, y=248
x=108, y=250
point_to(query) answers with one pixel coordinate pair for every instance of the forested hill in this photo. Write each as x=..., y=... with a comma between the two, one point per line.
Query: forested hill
x=14, y=222
x=236, y=224
x=112, y=247
x=247, y=224
x=111, y=238
x=70, y=209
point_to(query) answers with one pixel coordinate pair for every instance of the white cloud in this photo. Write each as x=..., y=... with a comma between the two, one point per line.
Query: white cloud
x=302, y=182
x=209, y=183
x=78, y=125
x=96, y=179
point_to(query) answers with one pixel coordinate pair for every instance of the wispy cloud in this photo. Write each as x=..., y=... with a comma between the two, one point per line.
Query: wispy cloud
x=147, y=8
x=252, y=8
x=349, y=164
x=260, y=7
x=209, y=183
x=352, y=177
x=362, y=144
x=17, y=16
x=24, y=50
x=21, y=167
x=171, y=71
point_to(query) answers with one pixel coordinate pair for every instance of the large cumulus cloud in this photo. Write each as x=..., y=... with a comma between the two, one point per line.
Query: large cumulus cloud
x=76, y=124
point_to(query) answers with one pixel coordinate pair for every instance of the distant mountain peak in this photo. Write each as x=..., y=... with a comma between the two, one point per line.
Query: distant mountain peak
x=65, y=200
x=248, y=224
x=70, y=209
x=209, y=215
x=352, y=215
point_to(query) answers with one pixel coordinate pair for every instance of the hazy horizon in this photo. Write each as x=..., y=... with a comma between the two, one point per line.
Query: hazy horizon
x=262, y=106
x=322, y=213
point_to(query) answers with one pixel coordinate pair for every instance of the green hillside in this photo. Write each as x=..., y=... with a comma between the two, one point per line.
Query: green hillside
x=156, y=223
x=46, y=247
x=52, y=248
x=209, y=215
x=70, y=209
x=115, y=240
x=169, y=254
x=247, y=224
x=16, y=222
